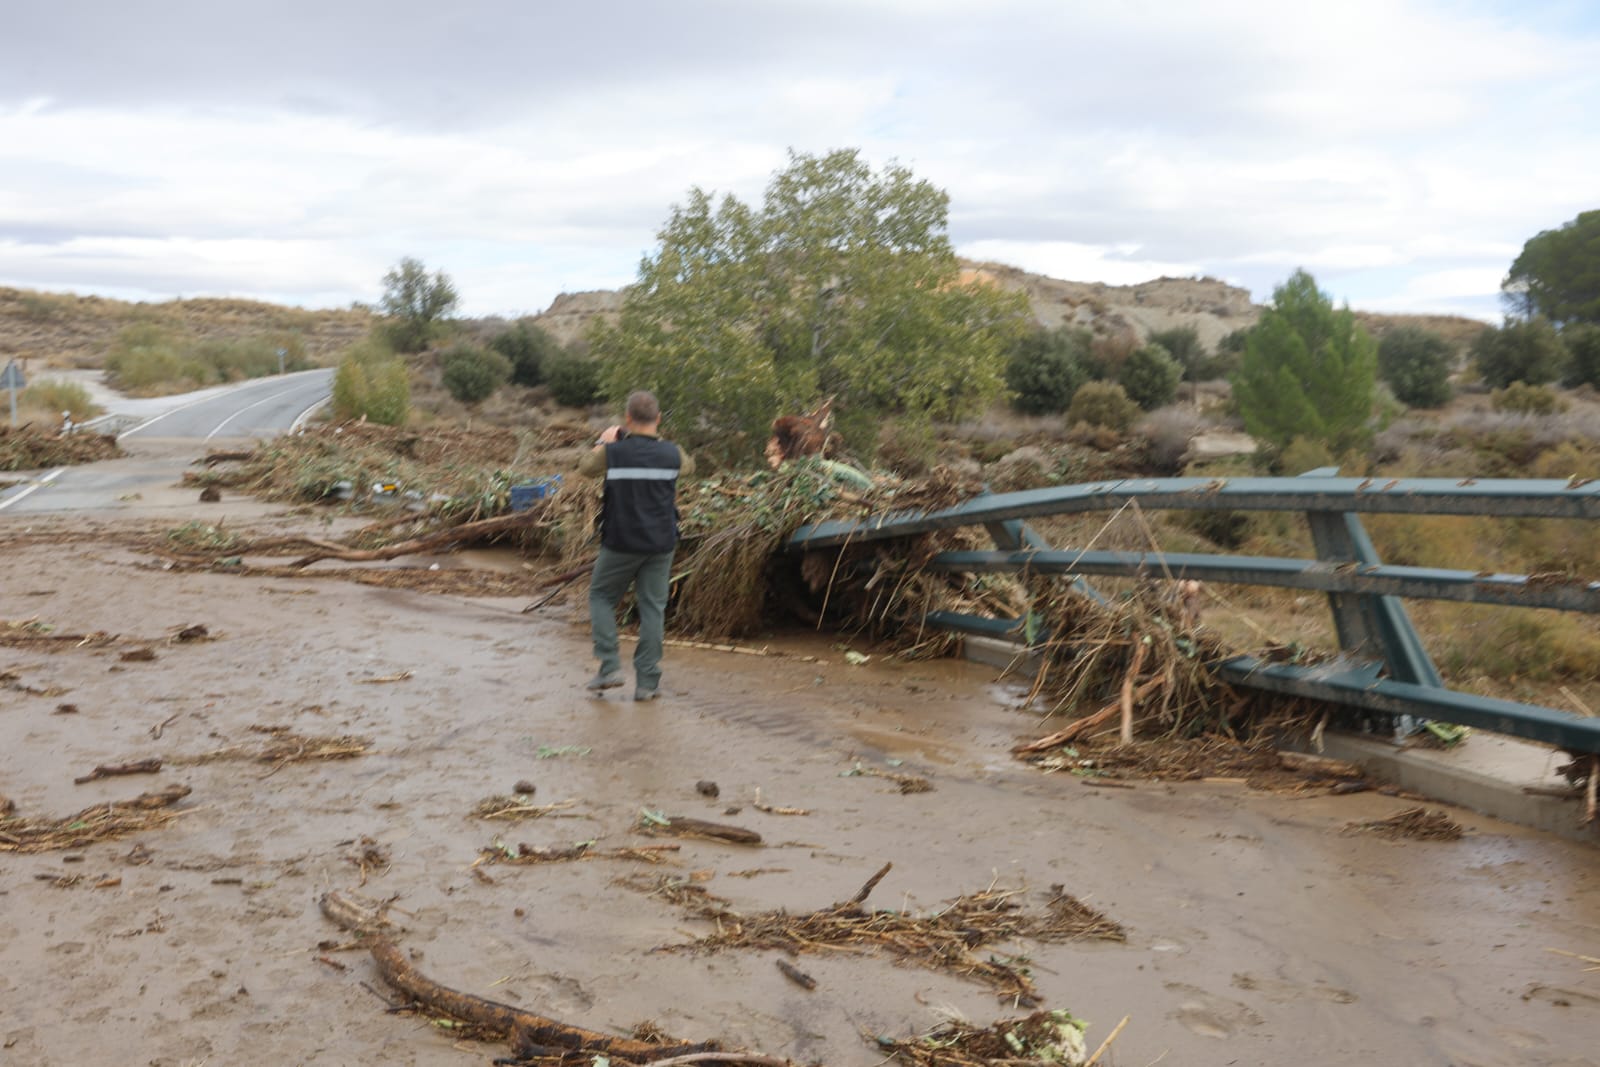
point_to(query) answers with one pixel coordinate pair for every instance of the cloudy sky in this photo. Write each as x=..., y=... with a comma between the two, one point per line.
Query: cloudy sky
x=1400, y=150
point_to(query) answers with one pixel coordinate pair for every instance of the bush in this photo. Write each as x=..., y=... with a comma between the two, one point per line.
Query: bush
x=1046, y=368
x=1183, y=344
x=1583, y=350
x=1520, y=398
x=1304, y=454
x=372, y=381
x=528, y=348
x=473, y=374
x=143, y=356
x=52, y=397
x=1150, y=377
x=1416, y=364
x=1167, y=434
x=1103, y=404
x=574, y=380
x=1520, y=351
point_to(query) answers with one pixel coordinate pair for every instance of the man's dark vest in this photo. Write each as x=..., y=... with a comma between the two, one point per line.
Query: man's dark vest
x=640, y=512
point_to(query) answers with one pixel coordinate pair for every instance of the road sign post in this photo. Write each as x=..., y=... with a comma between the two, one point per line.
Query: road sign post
x=281, y=353
x=11, y=379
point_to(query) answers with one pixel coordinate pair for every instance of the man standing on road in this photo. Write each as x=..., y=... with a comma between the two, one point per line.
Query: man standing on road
x=638, y=533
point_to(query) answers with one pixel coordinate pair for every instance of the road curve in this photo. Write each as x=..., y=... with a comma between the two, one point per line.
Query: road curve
x=263, y=407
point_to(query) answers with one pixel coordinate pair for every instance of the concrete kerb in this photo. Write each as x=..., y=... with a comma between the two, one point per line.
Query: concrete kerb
x=1488, y=774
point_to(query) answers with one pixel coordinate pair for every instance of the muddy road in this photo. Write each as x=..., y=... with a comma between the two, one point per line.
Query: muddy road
x=1257, y=932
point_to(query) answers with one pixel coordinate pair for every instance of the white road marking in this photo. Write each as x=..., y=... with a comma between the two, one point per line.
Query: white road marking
x=247, y=407
x=35, y=487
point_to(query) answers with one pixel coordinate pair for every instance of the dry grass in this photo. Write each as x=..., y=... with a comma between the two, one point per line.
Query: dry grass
x=102, y=822
x=1416, y=824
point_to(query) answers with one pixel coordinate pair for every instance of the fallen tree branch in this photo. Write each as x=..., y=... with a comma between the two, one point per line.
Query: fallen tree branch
x=1084, y=725
x=467, y=531
x=107, y=770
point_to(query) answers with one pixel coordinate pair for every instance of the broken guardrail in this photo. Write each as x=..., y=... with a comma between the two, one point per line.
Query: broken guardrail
x=1385, y=668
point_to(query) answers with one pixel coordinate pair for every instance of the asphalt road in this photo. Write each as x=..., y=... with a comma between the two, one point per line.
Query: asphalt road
x=164, y=438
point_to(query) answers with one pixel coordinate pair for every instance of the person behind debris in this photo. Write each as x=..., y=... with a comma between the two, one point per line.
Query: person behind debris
x=638, y=535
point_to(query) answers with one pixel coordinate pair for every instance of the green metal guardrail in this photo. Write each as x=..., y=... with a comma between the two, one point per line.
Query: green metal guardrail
x=1385, y=668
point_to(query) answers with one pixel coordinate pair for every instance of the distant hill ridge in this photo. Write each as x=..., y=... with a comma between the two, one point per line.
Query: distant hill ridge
x=59, y=329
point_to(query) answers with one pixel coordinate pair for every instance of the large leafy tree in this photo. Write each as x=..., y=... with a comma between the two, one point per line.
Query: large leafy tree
x=416, y=303
x=1522, y=350
x=1308, y=370
x=1557, y=276
x=843, y=282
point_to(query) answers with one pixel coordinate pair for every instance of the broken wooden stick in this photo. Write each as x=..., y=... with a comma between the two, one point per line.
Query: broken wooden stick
x=796, y=975
x=1127, y=691
x=108, y=770
x=1112, y=1036
x=871, y=884
x=1084, y=725
x=683, y=826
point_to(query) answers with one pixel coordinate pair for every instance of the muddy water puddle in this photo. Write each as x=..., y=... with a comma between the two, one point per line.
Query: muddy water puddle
x=1257, y=932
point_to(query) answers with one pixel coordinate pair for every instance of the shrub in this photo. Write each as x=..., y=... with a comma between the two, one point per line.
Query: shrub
x=1416, y=365
x=574, y=380
x=52, y=397
x=417, y=305
x=373, y=382
x=907, y=446
x=1046, y=368
x=1304, y=454
x=1520, y=398
x=1183, y=344
x=1527, y=350
x=1167, y=434
x=528, y=348
x=1583, y=350
x=473, y=374
x=142, y=356
x=1150, y=377
x=1103, y=404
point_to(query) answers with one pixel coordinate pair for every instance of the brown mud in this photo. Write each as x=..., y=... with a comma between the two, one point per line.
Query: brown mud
x=1257, y=931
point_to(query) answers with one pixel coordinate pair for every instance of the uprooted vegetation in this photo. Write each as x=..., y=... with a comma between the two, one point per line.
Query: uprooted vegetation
x=34, y=447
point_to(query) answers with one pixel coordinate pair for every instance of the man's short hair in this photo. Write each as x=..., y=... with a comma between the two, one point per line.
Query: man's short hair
x=643, y=408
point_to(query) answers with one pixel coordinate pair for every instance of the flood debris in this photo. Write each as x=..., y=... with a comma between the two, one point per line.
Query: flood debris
x=285, y=746
x=30, y=447
x=1416, y=824
x=533, y=1037
x=654, y=822
x=905, y=784
x=101, y=822
x=516, y=807
x=943, y=939
x=1045, y=1037
x=32, y=633
x=107, y=770
x=527, y=855
x=796, y=975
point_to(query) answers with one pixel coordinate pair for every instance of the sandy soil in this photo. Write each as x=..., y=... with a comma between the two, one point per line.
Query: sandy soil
x=1258, y=934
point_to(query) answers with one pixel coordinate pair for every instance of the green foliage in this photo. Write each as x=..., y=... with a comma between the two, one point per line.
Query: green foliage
x=372, y=381
x=1583, y=351
x=1150, y=377
x=574, y=380
x=1557, y=275
x=1183, y=344
x=52, y=397
x=472, y=374
x=1523, y=350
x=1045, y=368
x=416, y=304
x=148, y=358
x=528, y=347
x=1304, y=454
x=1520, y=398
x=1103, y=404
x=843, y=282
x=1307, y=371
x=1416, y=364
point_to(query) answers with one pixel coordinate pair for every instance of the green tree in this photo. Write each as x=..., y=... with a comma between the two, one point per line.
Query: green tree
x=574, y=380
x=1308, y=370
x=416, y=304
x=1416, y=364
x=1557, y=275
x=472, y=374
x=1150, y=377
x=528, y=347
x=1183, y=344
x=843, y=283
x=1045, y=368
x=1103, y=404
x=1583, y=346
x=1522, y=350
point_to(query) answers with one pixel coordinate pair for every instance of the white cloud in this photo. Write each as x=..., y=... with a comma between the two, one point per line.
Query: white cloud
x=527, y=149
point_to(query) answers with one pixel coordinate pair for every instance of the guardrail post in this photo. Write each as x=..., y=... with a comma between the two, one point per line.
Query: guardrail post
x=1368, y=625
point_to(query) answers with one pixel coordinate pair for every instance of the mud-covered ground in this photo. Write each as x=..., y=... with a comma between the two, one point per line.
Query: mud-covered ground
x=1257, y=932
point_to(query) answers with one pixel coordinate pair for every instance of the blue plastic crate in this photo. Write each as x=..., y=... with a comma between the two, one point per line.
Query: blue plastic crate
x=523, y=496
